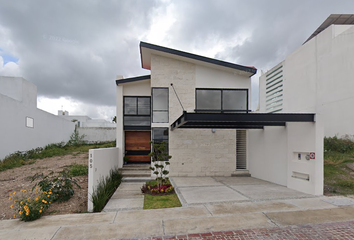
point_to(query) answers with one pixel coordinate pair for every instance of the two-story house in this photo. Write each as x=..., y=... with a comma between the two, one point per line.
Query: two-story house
x=200, y=107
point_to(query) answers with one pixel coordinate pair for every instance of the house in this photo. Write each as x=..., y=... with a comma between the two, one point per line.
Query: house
x=22, y=125
x=317, y=77
x=200, y=107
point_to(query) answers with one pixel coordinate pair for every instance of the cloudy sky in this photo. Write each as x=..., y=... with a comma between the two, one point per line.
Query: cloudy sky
x=73, y=50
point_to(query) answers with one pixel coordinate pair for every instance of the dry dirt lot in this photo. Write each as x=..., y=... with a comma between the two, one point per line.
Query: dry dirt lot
x=20, y=178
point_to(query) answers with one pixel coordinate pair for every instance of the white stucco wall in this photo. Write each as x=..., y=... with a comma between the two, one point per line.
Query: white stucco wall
x=318, y=78
x=15, y=136
x=98, y=134
x=19, y=89
x=100, y=163
x=273, y=155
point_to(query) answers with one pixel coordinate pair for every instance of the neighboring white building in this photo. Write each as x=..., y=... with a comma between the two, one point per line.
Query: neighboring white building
x=94, y=130
x=22, y=125
x=200, y=106
x=317, y=77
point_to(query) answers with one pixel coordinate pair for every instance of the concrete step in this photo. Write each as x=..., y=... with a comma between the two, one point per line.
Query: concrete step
x=136, y=166
x=136, y=174
x=241, y=173
x=136, y=179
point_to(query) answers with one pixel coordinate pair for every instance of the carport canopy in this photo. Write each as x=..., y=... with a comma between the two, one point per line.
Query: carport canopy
x=239, y=120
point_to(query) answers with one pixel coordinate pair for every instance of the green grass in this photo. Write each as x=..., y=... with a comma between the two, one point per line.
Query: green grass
x=78, y=170
x=337, y=176
x=164, y=201
x=19, y=159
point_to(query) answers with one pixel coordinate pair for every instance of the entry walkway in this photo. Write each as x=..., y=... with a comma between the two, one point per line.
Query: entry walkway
x=255, y=211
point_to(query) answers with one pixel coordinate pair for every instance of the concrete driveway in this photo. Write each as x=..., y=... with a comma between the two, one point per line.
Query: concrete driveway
x=205, y=190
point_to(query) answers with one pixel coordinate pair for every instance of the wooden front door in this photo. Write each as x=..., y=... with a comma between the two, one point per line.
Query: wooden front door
x=137, y=146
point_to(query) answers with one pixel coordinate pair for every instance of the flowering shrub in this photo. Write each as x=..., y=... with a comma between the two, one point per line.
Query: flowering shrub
x=155, y=189
x=61, y=185
x=29, y=205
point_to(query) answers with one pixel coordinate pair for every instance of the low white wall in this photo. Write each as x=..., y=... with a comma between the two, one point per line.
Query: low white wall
x=98, y=134
x=273, y=155
x=15, y=136
x=101, y=162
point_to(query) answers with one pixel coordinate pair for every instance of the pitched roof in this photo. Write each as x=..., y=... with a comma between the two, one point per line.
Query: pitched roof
x=133, y=79
x=146, y=49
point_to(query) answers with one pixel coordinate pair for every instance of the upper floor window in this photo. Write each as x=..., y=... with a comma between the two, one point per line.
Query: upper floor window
x=137, y=111
x=160, y=105
x=221, y=100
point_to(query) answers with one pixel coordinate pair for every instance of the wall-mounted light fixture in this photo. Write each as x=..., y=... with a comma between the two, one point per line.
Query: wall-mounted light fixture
x=213, y=130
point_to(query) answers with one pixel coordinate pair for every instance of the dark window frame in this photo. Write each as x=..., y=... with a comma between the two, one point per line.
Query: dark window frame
x=221, y=102
x=136, y=127
x=152, y=104
x=161, y=140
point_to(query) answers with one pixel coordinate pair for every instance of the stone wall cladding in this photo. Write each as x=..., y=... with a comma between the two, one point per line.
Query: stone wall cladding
x=195, y=152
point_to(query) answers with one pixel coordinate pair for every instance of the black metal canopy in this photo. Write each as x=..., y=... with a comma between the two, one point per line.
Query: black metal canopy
x=239, y=120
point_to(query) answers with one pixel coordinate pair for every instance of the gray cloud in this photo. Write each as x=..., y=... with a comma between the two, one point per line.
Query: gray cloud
x=75, y=49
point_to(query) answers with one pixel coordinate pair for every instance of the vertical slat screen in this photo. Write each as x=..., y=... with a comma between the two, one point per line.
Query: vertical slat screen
x=241, y=149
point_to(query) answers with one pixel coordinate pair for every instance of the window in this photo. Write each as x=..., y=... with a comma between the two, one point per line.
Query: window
x=224, y=100
x=137, y=111
x=160, y=135
x=29, y=122
x=160, y=105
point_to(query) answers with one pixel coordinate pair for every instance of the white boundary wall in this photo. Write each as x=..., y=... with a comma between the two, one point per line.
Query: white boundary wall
x=98, y=134
x=273, y=155
x=101, y=162
x=18, y=107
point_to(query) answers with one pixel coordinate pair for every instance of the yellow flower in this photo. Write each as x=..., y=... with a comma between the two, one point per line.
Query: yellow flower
x=21, y=203
x=27, y=213
x=48, y=195
x=11, y=206
x=15, y=201
x=28, y=199
x=20, y=212
x=36, y=199
x=24, y=191
x=14, y=193
x=9, y=198
x=50, y=192
x=49, y=202
x=10, y=194
x=41, y=207
x=14, y=215
x=40, y=211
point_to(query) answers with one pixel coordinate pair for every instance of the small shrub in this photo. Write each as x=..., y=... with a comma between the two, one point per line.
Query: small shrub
x=75, y=138
x=78, y=170
x=60, y=184
x=105, y=189
x=160, y=160
x=341, y=145
x=28, y=205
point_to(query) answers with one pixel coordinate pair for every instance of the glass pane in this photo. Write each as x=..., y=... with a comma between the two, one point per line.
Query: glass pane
x=209, y=99
x=160, y=98
x=234, y=100
x=136, y=121
x=130, y=105
x=143, y=106
x=160, y=117
x=160, y=133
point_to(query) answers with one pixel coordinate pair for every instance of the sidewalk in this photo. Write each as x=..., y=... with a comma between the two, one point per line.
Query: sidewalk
x=283, y=217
